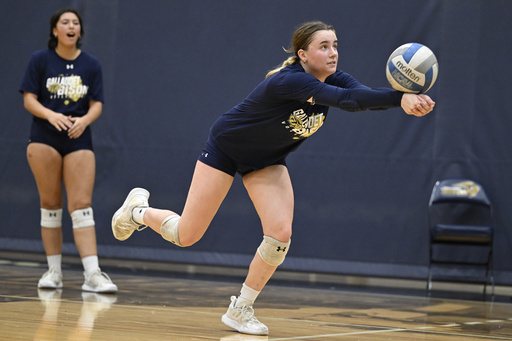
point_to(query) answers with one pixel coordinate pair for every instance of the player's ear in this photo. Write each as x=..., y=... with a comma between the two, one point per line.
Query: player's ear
x=301, y=54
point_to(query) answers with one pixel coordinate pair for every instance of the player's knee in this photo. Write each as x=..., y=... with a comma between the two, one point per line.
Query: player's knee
x=51, y=218
x=281, y=229
x=189, y=240
x=82, y=218
x=169, y=231
x=272, y=251
x=183, y=236
x=284, y=234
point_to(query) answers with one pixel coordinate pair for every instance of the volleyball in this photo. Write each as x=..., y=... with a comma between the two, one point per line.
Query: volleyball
x=412, y=68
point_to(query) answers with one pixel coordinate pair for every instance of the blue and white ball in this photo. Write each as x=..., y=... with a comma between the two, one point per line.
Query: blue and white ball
x=412, y=68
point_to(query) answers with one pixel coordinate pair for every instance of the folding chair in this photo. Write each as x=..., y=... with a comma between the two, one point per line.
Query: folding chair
x=461, y=233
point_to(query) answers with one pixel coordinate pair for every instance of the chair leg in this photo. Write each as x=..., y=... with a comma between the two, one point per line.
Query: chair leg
x=492, y=277
x=489, y=274
x=429, y=278
x=429, y=273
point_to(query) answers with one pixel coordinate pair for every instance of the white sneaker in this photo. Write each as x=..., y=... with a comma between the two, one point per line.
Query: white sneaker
x=98, y=281
x=51, y=279
x=242, y=319
x=122, y=221
x=244, y=337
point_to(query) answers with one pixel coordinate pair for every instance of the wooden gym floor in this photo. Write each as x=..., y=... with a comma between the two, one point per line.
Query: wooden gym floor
x=165, y=306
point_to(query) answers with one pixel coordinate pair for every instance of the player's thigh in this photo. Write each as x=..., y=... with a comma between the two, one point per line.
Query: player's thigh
x=271, y=192
x=46, y=165
x=208, y=189
x=79, y=171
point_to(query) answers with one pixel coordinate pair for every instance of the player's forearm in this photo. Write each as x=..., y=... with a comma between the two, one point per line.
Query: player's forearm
x=33, y=106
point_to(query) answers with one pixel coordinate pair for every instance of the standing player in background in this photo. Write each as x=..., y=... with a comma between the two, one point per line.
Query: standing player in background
x=253, y=139
x=63, y=90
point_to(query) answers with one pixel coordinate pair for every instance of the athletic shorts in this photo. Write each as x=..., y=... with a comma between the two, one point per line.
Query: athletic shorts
x=213, y=157
x=59, y=140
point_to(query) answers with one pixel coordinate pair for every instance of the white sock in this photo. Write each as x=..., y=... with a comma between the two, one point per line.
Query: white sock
x=90, y=263
x=247, y=296
x=54, y=261
x=138, y=214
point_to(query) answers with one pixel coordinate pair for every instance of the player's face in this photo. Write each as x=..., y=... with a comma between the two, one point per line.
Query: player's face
x=322, y=55
x=67, y=29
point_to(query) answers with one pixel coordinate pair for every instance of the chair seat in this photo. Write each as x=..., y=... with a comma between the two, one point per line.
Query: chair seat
x=462, y=233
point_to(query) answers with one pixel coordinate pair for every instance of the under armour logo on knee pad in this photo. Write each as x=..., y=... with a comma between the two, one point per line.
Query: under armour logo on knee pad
x=273, y=251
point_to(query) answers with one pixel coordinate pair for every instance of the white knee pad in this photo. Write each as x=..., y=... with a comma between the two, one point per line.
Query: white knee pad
x=272, y=251
x=82, y=218
x=169, y=229
x=51, y=218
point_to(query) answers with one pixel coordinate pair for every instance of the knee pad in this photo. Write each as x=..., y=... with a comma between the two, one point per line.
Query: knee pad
x=272, y=251
x=169, y=229
x=51, y=218
x=82, y=218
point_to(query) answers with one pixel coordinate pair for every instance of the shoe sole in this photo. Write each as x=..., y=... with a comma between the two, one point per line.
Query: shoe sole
x=129, y=197
x=107, y=291
x=237, y=326
x=59, y=286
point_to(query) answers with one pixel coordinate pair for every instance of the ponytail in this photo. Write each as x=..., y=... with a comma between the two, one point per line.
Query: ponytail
x=290, y=61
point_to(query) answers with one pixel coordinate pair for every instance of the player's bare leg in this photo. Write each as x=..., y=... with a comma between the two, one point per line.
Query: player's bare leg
x=271, y=192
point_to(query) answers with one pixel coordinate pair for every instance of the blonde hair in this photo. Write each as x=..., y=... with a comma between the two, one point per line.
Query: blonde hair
x=301, y=39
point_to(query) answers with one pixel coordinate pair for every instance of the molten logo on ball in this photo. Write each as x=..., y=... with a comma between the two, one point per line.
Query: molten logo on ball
x=412, y=68
x=407, y=71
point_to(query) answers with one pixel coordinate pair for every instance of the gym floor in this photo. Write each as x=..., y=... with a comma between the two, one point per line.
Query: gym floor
x=153, y=304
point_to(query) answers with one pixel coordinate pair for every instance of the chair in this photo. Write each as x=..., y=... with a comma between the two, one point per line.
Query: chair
x=461, y=233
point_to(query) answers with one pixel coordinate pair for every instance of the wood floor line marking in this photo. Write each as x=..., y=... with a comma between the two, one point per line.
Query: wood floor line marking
x=337, y=334
x=488, y=337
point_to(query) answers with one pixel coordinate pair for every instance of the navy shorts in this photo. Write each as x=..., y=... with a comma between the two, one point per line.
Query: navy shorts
x=214, y=157
x=59, y=139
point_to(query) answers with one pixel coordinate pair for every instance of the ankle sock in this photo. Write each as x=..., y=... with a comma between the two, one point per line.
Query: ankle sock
x=138, y=214
x=247, y=296
x=54, y=261
x=90, y=263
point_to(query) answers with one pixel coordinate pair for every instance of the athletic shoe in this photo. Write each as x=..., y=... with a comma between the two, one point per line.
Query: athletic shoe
x=122, y=221
x=51, y=279
x=242, y=319
x=244, y=337
x=98, y=281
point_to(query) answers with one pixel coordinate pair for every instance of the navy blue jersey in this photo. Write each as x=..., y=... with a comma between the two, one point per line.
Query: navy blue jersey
x=285, y=109
x=64, y=86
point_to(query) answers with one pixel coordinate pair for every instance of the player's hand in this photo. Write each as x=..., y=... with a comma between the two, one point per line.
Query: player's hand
x=78, y=127
x=417, y=105
x=59, y=121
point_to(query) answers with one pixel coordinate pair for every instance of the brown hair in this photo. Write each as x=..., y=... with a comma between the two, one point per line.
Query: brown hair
x=301, y=39
x=52, y=42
